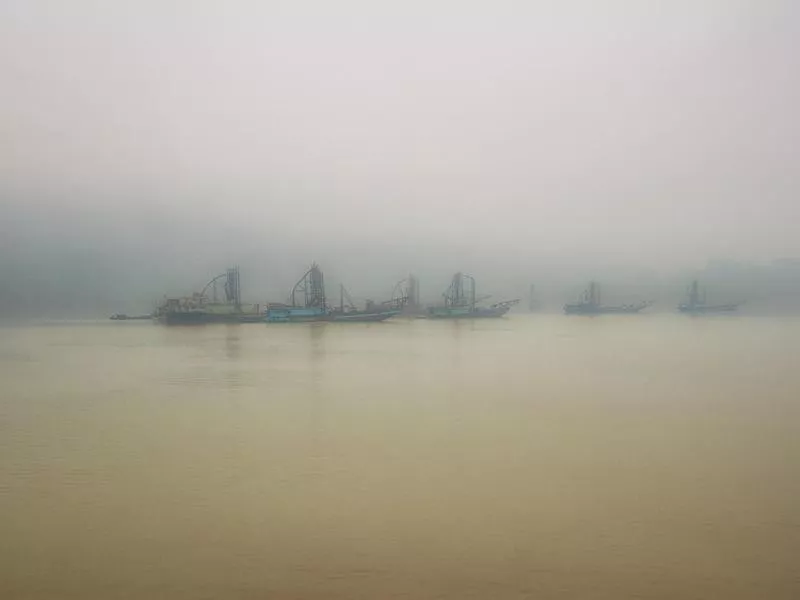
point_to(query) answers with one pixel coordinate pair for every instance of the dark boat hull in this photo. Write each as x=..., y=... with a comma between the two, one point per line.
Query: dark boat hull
x=590, y=304
x=582, y=309
x=371, y=317
x=131, y=318
x=290, y=314
x=478, y=313
x=702, y=310
x=195, y=317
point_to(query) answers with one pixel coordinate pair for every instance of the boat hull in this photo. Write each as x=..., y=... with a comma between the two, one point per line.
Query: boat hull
x=702, y=310
x=583, y=309
x=372, y=317
x=295, y=314
x=467, y=313
x=197, y=317
x=312, y=315
x=131, y=318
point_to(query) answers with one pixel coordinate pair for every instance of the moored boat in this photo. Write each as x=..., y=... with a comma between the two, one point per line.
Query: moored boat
x=696, y=303
x=460, y=302
x=308, y=303
x=590, y=304
x=199, y=308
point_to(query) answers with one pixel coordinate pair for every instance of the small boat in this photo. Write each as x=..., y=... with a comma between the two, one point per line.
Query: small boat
x=696, y=303
x=590, y=304
x=460, y=302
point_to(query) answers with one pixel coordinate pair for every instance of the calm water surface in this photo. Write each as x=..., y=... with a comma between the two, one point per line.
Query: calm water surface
x=653, y=457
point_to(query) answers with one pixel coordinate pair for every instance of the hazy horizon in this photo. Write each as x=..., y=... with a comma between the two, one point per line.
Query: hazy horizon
x=145, y=147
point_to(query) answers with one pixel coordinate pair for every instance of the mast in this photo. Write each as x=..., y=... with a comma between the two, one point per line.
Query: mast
x=694, y=294
x=472, y=298
x=312, y=284
x=233, y=292
x=413, y=292
x=453, y=296
x=593, y=294
x=341, y=297
x=456, y=295
x=231, y=287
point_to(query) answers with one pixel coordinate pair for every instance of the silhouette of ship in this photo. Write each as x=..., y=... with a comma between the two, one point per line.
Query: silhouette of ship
x=460, y=302
x=312, y=305
x=591, y=304
x=199, y=309
x=696, y=302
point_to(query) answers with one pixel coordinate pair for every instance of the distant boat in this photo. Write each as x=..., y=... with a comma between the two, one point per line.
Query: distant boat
x=460, y=302
x=199, y=309
x=124, y=317
x=308, y=303
x=591, y=304
x=348, y=313
x=696, y=302
x=311, y=306
x=181, y=311
x=405, y=298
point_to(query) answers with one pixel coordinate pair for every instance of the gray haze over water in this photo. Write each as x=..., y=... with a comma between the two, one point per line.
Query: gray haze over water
x=144, y=146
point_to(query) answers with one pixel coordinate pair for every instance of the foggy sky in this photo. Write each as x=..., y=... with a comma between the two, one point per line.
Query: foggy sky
x=453, y=134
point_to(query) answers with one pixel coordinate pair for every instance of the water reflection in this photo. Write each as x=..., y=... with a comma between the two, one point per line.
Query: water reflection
x=317, y=341
x=233, y=371
x=232, y=341
x=457, y=327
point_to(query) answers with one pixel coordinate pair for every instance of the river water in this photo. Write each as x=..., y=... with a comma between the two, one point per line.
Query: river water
x=538, y=456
